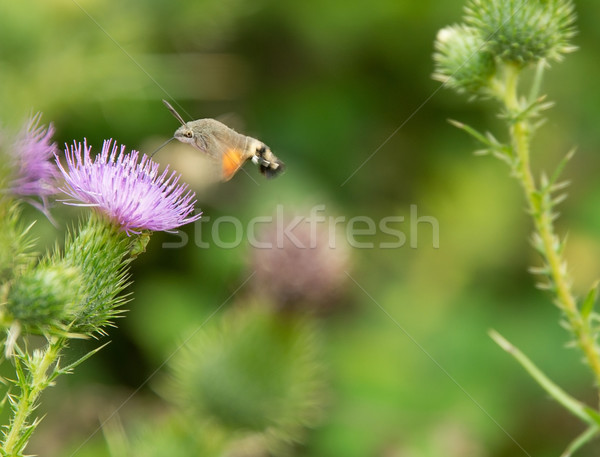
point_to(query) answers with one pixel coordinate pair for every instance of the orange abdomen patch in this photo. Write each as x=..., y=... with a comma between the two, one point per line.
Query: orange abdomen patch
x=233, y=159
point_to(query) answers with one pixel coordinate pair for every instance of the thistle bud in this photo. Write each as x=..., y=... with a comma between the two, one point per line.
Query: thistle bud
x=46, y=295
x=258, y=373
x=461, y=60
x=524, y=31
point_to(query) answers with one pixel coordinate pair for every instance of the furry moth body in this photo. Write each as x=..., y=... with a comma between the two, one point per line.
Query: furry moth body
x=223, y=144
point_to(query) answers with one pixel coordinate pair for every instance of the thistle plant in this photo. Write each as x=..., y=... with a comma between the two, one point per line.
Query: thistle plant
x=256, y=377
x=76, y=291
x=129, y=191
x=486, y=57
x=33, y=174
x=251, y=383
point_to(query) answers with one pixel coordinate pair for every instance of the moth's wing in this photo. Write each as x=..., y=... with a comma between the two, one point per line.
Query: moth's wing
x=232, y=120
x=225, y=145
x=232, y=152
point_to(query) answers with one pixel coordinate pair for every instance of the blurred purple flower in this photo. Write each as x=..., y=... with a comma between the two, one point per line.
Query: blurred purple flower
x=132, y=194
x=300, y=268
x=35, y=175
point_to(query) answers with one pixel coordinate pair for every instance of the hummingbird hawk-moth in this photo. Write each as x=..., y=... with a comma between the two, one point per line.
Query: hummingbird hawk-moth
x=228, y=147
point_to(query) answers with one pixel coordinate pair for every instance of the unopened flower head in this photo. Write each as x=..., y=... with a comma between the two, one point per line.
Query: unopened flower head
x=524, y=31
x=130, y=191
x=461, y=60
x=35, y=174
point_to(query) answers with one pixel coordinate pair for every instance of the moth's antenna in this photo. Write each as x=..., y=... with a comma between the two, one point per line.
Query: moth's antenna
x=162, y=146
x=173, y=112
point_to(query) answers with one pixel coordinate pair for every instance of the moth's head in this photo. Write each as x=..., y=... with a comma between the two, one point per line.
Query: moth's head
x=184, y=134
x=193, y=136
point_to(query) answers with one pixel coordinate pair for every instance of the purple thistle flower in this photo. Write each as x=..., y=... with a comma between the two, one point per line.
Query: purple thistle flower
x=132, y=194
x=35, y=175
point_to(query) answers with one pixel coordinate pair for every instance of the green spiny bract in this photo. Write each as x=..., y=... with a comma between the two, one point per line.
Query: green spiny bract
x=258, y=373
x=100, y=250
x=77, y=291
x=46, y=296
x=524, y=31
x=461, y=60
x=15, y=244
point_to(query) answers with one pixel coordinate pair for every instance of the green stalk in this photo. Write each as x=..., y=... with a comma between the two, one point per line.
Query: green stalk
x=40, y=377
x=540, y=207
x=574, y=406
x=580, y=441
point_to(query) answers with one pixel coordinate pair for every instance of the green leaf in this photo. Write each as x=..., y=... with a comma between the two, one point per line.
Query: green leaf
x=24, y=438
x=532, y=110
x=21, y=377
x=590, y=300
x=537, y=81
x=581, y=440
x=471, y=131
x=577, y=408
x=4, y=400
x=68, y=369
x=594, y=414
x=559, y=169
x=498, y=149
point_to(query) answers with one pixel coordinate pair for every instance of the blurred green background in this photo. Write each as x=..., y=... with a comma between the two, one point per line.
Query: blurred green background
x=325, y=84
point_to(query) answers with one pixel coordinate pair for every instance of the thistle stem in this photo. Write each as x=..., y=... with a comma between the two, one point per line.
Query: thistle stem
x=539, y=202
x=581, y=440
x=38, y=378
